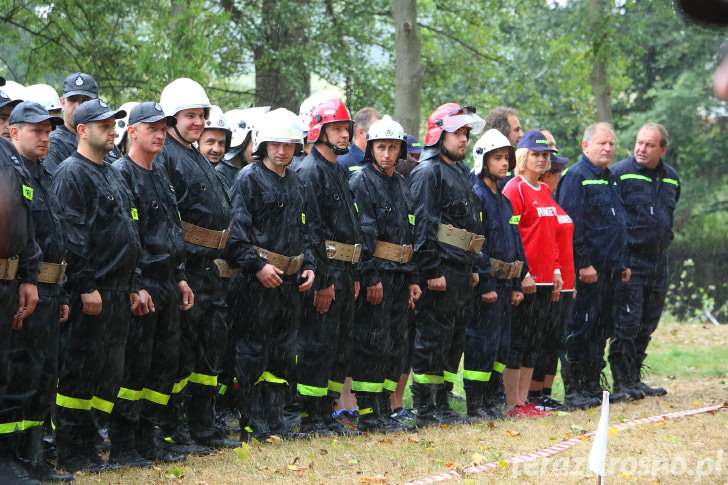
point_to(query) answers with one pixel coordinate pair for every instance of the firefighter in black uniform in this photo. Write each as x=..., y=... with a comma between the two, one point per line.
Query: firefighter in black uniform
x=589, y=195
x=34, y=350
x=150, y=367
x=272, y=244
x=241, y=123
x=205, y=212
x=388, y=273
x=447, y=252
x=77, y=88
x=20, y=260
x=650, y=190
x=499, y=278
x=102, y=278
x=324, y=355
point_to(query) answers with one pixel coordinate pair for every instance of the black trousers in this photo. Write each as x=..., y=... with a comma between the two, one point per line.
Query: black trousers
x=380, y=336
x=547, y=359
x=34, y=357
x=440, y=326
x=203, y=341
x=592, y=321
x=325, y=339
x=152, y=354
x=91, y=364
x=488, y=336
x=265, y=325
x=10, y=407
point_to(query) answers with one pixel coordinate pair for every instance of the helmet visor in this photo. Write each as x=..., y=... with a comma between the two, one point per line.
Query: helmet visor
x=463, y=116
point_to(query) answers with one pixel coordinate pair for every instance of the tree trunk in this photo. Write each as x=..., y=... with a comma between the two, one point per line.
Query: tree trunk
x=598, y=75
x=408, y=66
x=282, y=77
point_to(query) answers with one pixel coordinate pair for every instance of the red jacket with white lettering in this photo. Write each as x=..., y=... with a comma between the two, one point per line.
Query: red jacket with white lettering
x=538, y=223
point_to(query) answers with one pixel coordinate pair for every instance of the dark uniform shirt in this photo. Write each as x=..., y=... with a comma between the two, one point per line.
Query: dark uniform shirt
x=228, y=172
x=650, y=197
x=160, y=230
x=502, y=236
x=443, y=194
x=351, y=161
x=336, y=211
x=590, y=196
x=17, y=238
x=101, y=226
x=386, y=214
x=202, y=197
x=269, y=211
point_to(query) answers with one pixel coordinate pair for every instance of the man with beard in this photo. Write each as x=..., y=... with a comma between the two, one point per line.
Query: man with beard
x=447, y=253
x=103, y=254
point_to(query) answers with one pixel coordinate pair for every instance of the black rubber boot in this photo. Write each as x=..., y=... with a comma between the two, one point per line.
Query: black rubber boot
x=151, y=447
x=123, y=451
x=474, y=403
x=312, y=420
x=596, y=384
x=368, y=415
x=30, y=456
x=425, y=397
x=273, y=397
x=575, y=396
x=443, y=412
x=12, y=471
x=621, y=366
x=638, y=370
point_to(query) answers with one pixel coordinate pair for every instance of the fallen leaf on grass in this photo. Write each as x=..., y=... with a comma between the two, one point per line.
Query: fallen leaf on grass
x=274, y=439
x=490, y=424
x=512, y=433
x=449, y=464
x=353, y=461
x=175, y=472
x=377, y=479
x=612, y=431
x=697, y=403
x=412, y=440
x=427, y=444
x=502, y=463
x=478, y=458
x=387, y=441
x=297, y=468
x=243, y=452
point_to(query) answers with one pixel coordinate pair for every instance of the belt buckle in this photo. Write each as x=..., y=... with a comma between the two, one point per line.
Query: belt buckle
x=223, y=239
x=263, y=253
x=403, y=252
x=61, y=272
x=331, y=250
x=356, y=253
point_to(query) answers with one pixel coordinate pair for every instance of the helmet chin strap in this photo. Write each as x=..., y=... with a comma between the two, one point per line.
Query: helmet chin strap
x=337, y=151
x=179, y=135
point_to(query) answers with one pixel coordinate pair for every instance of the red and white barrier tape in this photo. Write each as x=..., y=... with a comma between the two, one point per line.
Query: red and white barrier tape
x=564, y=445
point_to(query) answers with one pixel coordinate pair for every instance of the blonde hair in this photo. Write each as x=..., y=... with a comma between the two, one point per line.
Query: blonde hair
x=521, y=156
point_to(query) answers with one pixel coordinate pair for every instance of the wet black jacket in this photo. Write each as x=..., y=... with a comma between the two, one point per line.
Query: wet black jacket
x=386, y=214
x=63, y=145
x=101, y=226
x=650, y=197
x=591, y=198
x=228, y=172
x=443, y=194
x=17, y=237
x=202, y=196
x=160, y=231
x=337, y=214
x=502, y=237
x=269, y=211
x=47, y=214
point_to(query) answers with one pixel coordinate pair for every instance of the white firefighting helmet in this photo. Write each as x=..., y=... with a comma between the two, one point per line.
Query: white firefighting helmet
x=490, y=141
x=122, y=123
x=279, y=125
x=181, y=94
x=386, y=129
x=44, y=95
x=241, y=123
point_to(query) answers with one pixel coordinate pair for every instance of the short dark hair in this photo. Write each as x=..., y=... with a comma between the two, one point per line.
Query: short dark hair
x=498, y=119
x=363, y=118
x=664, y=138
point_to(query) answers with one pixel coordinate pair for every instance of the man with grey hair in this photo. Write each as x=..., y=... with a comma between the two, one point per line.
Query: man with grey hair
x=589, y=195
x=650, y=189
x=363, y=119
x=504, y=119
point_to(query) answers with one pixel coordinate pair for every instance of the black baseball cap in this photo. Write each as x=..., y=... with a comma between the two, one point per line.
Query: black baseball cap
x=534, y=140
x=31, y=112
x=6, y=100
x=82, y=84
x=149, y=112
x=558, y=163
x=95, y=110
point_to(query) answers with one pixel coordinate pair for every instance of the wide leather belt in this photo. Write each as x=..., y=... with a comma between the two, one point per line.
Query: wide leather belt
x=343, y=252
x=505, y=271
x=52, y=273
x=399, y=253
x=204, y=237
x=8, y=268
x=460, y=238
x=288, y=264
x=225, y=270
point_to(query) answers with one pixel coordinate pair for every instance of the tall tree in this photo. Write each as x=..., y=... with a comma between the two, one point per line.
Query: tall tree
x=408, y=65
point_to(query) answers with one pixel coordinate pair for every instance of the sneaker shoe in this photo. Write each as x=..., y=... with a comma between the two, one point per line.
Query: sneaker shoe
x=525, y=410
x=535, y=411
x=547, y=403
